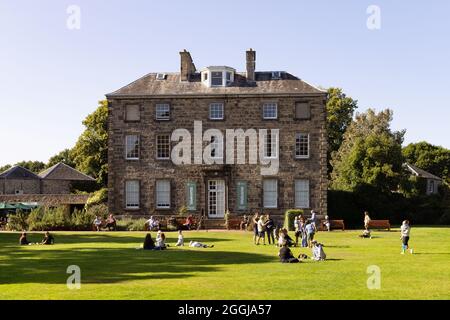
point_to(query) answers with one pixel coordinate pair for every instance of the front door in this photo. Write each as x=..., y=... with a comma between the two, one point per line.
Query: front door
x=216, y=198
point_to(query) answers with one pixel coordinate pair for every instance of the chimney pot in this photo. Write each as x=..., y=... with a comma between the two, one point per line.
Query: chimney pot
x=187, y=67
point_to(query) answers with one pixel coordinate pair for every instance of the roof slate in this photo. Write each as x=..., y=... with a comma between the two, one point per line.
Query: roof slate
x=18, y=172
x=62, y=171
x=148, y=85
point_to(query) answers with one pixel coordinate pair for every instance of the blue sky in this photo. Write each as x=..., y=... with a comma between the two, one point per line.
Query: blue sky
x=51, y=77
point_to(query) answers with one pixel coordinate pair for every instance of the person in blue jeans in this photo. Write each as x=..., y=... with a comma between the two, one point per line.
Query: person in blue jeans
x=270, y=225
x=310, y=232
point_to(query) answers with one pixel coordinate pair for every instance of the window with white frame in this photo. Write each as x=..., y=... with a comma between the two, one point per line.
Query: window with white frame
x=216, y=147
x=270, y=189
x=270, y=110
x=216, y=111
x=162, y=111
x=132, y=194
x=302, y=193
x=132, y=147
x=162, y=194
x=228, y=77
x=302, y=145
x=216, y=78
x=132, y=112
x=270, y=145
x=163, y=146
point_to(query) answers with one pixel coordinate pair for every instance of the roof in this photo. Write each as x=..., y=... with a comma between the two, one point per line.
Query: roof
x=148, y=85
x=62, y=171
x=421, y=173
x=18, y=172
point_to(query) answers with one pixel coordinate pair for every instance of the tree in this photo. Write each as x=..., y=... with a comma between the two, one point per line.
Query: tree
x=64, y=156
x=33, y=166
x=90, y=153
x=370, y=154
x=4, y=168
x=434, y=159
x=340, y=110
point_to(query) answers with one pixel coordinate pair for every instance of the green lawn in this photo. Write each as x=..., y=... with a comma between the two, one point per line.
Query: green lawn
x=112, y=268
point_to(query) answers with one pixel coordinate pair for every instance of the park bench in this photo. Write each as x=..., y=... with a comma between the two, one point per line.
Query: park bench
x=334, y=224
x=380, y=224
x=234, y=223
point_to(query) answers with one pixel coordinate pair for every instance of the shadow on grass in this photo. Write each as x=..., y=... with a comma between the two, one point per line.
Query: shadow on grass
x=112, y=265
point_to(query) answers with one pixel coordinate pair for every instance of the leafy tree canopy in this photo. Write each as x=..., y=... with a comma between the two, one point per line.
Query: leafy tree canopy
x=370, y=154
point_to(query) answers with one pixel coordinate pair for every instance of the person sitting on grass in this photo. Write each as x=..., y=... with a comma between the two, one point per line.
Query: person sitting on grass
x=317, y=251
x=180, y=242
x=188, y=223
x=149, y=244
x=111, y=223
x=366, y=234
x=160, y=241
x=286, y=255
x=285, y=238
x=48, y=239
x=405, y=230
x=196, y=244
x=98, y=222
x=23, y=241
x=244, y=223
x=152, y=224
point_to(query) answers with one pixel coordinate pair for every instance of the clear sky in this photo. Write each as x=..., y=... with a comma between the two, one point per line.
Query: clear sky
x=51, y=76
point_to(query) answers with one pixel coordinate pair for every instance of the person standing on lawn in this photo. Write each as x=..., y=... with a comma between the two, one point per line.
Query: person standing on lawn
x=255, y=226
x=270, y=225
x=310, y=232
x=261, y=230
x=405, y=230
x=366, y=220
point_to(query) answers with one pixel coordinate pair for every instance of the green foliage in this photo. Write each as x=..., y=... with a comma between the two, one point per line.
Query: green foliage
x=5, y=167
x=64, y=156
x=428, y=157
x=17, y=221
x=98, y=197
x=50, y=219
x=289, y=216
x=183, y=211
x=369, y=155
x=130, y=224
x=91, y=150
x=340, y=109
x=82, y=220
x=98, y=210
x=33, y=166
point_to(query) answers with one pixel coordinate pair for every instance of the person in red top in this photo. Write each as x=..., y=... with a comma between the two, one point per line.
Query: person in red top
x=189, y=222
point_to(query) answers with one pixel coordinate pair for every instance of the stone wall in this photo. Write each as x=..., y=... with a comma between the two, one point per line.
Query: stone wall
x=240, y=112
x=28, y=186
x=56, y=186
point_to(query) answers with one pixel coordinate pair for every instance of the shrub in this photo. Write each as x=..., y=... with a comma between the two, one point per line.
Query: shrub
x=137, y=225
x=97, y=210
x=124, y=224
x=51, y=219
x=35, y=218
x=289, y=218
x=82, y=220
x=98, y=197
x=17, y=221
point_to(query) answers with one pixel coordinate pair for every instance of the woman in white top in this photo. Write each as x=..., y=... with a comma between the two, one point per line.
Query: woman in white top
x=180, y=241
x=366, y=220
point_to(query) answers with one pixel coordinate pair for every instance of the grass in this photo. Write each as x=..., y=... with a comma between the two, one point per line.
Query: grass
x=112, y=268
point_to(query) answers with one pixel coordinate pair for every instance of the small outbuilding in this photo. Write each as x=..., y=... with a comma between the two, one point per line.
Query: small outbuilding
x=431, y=181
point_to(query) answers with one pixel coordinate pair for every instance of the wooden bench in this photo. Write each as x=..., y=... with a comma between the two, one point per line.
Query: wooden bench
x=380, y=224
x=334, y=224
x=234, y=223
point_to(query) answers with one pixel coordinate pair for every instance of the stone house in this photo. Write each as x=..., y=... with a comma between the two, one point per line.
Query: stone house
x=283, y=121
x=58, y=179
x=430, y=183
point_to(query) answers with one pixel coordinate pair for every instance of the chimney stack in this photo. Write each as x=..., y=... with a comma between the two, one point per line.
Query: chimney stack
x=187, y=66
x=251, y=62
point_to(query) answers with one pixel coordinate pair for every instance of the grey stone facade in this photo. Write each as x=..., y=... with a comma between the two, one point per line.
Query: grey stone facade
x=189, y=101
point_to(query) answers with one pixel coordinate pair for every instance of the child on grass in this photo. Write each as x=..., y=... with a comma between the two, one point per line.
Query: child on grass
x=180, y=242
x=405, y=230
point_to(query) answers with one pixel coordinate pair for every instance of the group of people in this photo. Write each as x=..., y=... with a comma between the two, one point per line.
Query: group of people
x=286, y=255
x=110, y=223
x=47, y=240
x=160, y=242
x=264, y=225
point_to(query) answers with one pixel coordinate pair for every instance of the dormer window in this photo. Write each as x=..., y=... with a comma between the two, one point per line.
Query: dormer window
x=216, y=78
x=219, y=76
